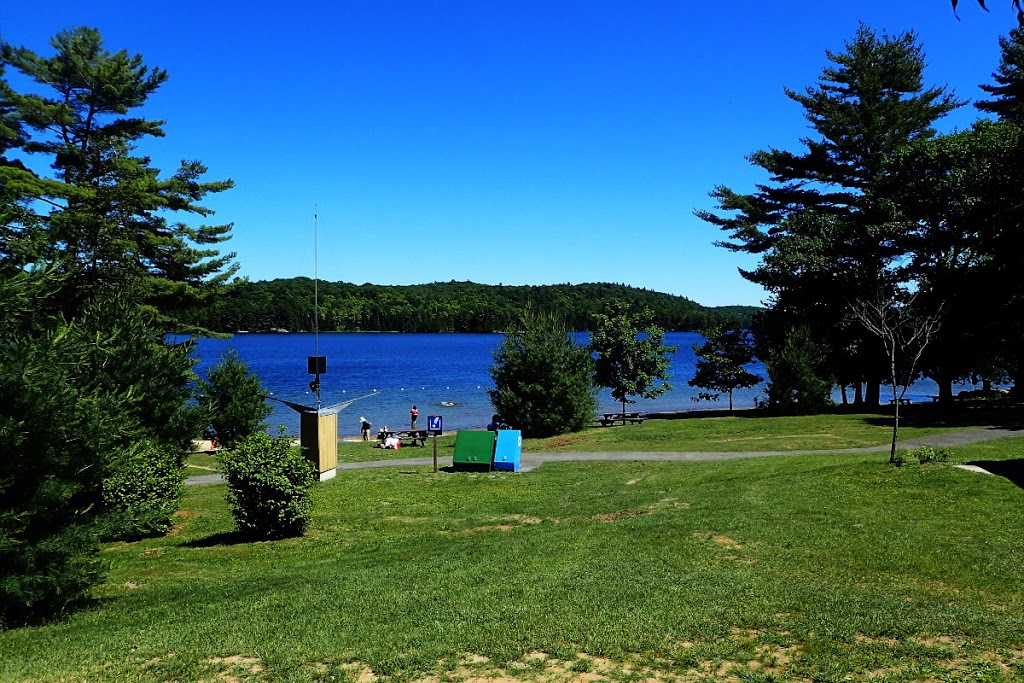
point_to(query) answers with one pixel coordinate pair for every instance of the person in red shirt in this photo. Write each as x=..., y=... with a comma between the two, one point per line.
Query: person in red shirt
x=413, y=414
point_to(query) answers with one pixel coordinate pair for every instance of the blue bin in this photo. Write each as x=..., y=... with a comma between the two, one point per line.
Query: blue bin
x=508, y=449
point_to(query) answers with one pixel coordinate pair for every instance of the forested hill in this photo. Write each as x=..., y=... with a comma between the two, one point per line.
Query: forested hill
x=287, y=304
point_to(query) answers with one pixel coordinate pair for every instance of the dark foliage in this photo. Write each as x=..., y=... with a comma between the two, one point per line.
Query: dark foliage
x=797, y=386
x=543, y=381
x=287, y=304
x=720, y=363
x=234, y=401
x=629, y=357
x=142, y=493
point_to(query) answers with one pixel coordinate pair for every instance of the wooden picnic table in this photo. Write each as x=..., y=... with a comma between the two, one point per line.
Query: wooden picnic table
x=609, y=419
x=413, y=436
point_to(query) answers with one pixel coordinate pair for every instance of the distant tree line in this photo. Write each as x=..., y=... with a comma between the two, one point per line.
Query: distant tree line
x=287, y=304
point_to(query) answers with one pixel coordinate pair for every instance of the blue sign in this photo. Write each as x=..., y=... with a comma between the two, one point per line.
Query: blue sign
x=434, y=423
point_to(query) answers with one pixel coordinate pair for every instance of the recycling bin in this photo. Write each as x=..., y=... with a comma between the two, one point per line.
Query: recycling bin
x=508, y=448
x=474, y=450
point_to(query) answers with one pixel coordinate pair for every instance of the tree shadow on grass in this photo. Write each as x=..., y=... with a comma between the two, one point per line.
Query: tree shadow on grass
x=1008, y=469
x=225, y=538
x=1005, y=415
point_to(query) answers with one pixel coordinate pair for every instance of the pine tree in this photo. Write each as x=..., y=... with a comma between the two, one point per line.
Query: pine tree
x=543, y=380
x=1008, y=92
x=106, y=218
x=824, y=227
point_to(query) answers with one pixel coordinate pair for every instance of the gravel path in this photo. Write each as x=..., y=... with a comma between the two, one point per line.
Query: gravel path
x=533, y=460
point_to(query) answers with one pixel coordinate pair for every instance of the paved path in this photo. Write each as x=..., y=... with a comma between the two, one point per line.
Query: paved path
x=533, y=460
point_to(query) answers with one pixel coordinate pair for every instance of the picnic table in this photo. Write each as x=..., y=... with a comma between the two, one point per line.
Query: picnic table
x=414, y=437
x=609, y=419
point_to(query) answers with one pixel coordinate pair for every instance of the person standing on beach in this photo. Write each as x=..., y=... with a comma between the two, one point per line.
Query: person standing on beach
x=364, y=428
x=413, y=414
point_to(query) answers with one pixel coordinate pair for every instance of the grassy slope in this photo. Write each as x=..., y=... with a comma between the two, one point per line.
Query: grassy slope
x=821, y=567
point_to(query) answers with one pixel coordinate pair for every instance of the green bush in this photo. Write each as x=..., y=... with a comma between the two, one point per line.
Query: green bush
x=927, y=455
x=234, y=400
x=543, y=380
x=796, y=385
x=54, y=434
x=143, y=492
x=269, y=486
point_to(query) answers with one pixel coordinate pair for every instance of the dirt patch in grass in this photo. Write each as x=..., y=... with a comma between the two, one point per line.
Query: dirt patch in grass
x=540, y=667
x=181, y=518
x=617, y=515
x=726, y=542
x=558, y=442
x=234, y=669
x=504, y=523
x=769, y=662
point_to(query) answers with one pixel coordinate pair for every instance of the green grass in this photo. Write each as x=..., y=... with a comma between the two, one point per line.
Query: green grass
x=746, y=431
x=819, y=567
x=199, y=464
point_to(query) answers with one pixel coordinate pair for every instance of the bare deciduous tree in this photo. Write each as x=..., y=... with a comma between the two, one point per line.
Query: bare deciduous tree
x=904, y=332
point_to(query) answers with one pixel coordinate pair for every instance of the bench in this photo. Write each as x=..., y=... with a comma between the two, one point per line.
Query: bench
x=414, y=437
x=609, y=419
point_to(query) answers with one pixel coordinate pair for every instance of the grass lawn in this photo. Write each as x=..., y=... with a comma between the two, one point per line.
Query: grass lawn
x=805, y=568
x=199, y=464
x=745, y=431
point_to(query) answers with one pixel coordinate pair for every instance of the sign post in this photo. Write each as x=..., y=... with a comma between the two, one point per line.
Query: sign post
x=434, y=427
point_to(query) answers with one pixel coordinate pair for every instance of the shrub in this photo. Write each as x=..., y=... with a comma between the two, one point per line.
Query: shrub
x=54, y=434
x=927, y=455
x=269, y=486
x=543, y=380
x=234, y=400
x=796, y=385
x=142, y=493
x=899, y=459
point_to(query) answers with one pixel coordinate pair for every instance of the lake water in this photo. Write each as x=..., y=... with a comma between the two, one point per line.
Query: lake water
x=426, y=370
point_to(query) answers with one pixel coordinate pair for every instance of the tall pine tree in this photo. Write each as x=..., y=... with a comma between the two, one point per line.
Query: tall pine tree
x=105, y=214
x=822, y=223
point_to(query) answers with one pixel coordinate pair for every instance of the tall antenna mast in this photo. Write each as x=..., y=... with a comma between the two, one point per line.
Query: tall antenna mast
x=316, y=364
x=316, y=279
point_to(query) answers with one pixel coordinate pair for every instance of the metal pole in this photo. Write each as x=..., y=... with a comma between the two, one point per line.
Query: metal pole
x=316, y=294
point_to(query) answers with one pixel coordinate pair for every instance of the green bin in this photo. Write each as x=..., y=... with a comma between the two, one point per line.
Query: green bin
x=474, y=450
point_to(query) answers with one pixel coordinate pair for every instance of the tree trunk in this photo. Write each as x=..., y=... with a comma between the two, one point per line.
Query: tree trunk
x=945, y=389
x=872, y=392
x=730, y=400
x=842, y=390
x=895, y=427
x=858, y=395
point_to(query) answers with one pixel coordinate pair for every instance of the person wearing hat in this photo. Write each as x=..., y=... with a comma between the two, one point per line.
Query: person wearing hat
x=364, y=428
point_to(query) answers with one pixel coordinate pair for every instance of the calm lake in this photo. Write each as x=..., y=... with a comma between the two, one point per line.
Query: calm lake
x=427, y=370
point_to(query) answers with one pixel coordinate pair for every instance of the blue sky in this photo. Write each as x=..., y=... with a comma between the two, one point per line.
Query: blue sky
x=515, y=142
